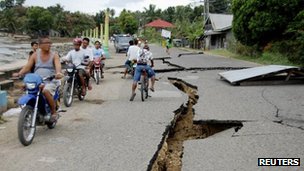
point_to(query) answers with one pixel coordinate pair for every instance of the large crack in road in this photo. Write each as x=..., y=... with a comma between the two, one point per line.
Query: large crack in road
x=182, y=128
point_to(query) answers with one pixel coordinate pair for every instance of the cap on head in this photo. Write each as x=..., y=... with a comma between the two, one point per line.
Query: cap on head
x=77, y=41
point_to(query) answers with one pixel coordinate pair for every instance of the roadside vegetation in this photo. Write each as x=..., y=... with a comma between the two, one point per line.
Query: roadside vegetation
x=269, y=31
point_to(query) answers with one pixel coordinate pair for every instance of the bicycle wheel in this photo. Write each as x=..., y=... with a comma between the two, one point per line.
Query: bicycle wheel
x=146, y=87
x=142, y=88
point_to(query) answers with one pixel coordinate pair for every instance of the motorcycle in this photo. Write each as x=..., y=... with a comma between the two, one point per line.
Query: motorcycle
x=72, y=85
x=35, y=108
x=97, y=71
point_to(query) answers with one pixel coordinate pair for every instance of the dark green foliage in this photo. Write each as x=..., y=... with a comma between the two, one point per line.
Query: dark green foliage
x=259, y=21
x=39, y=19
x=127, y=22
x=277, y=23
x=220, y=6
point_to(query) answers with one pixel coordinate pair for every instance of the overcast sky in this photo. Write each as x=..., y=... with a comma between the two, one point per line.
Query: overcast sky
x=94, y=6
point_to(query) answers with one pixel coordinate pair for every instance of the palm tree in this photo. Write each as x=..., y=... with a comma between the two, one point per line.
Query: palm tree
x=151, y=13
x=112, y=13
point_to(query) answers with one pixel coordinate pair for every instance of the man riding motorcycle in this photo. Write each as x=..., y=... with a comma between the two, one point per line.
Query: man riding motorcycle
x=77, y=57
x=46, y=64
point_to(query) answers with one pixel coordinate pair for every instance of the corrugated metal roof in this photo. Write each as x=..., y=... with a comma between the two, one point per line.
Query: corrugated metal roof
x=221, y=22
x=245, y=74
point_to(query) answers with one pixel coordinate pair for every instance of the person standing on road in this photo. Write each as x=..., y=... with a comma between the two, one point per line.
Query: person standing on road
x=168, y=45
x=132, y=54
x=47, y=63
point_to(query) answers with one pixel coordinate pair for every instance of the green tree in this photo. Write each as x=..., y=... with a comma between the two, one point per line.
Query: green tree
x=257, y=22
x=56, y=9
x=220, y=6
x=9, y=20
x=80, y=22
x=39, y=20
x=294, y=46
x=168, y=14
x=195, y=29
x=127, y=22
x=151, y=13
x=99, y=18
x=112, y=13
x=5, y=4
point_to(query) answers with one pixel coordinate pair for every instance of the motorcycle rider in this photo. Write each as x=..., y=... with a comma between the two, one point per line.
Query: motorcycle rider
x=77, y=56
x=143, y=57
x=47, y=63
x=88, y=52
x=98, y=53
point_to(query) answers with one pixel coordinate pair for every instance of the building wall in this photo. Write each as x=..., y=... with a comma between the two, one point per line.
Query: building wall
x=218, y=41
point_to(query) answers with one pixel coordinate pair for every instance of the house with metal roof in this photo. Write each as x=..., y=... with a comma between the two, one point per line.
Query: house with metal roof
x=218, y=29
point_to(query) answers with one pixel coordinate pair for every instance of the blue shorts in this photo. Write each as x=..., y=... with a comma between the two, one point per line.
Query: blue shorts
x=128, y=64
x=139, y=69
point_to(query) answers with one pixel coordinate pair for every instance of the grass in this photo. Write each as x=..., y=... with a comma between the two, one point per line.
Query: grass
x=267, y=58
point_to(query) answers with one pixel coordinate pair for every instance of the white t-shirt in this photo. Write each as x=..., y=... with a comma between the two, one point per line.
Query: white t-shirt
x=76, y=57
x=88, y=52
x=133, y=52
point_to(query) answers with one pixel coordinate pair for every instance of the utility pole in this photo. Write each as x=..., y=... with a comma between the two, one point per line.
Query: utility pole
x=206, y=10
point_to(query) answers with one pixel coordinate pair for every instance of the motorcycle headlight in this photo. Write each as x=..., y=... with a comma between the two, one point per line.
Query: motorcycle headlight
x=70, y=69
x=30, y=86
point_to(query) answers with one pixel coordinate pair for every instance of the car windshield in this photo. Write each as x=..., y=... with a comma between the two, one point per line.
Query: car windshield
x=124, y=39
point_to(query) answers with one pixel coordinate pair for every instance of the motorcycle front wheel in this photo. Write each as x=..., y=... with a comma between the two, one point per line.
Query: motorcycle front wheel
x=26, y=133
x=96, y=77
x=67, y=94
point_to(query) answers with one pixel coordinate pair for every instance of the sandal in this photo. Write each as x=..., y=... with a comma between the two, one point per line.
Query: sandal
x=54, y=117
x=152, y=89
x=132, y=97
x=90, y=87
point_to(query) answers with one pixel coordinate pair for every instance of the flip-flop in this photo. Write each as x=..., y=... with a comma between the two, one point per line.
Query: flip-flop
x=90, y=87
x=152, y=89
x=132, y=97
x=54, y=117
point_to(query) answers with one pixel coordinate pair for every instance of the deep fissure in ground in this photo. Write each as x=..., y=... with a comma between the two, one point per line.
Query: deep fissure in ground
x=182, y=128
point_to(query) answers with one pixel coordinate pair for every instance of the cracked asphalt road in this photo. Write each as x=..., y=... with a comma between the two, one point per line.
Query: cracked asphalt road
x=122, y=135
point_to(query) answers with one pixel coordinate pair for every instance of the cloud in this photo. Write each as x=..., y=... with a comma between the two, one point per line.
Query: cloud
x=121, y=3
x=94, y=6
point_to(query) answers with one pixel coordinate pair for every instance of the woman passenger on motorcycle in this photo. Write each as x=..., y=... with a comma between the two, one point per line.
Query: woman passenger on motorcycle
x=77, y=56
